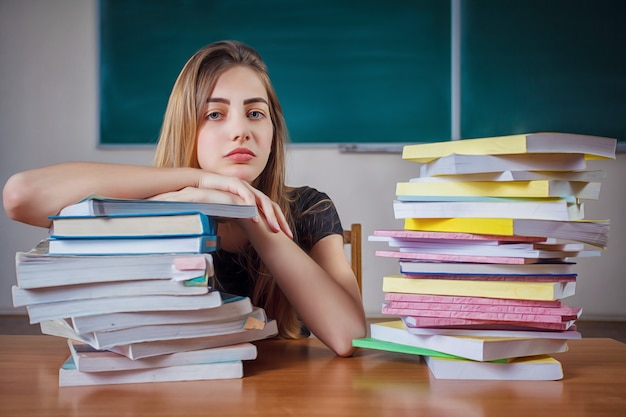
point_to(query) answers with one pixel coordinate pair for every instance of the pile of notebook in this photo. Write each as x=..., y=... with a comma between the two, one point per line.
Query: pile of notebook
x=492, y=229
x=128, y=283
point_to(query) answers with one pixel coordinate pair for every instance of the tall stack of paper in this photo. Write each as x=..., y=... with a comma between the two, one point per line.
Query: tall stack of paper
x=128, y=283
x=492, y=227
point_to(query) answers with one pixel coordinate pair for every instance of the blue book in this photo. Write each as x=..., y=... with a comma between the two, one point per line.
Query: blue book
x=132, y=226
x=133, y=246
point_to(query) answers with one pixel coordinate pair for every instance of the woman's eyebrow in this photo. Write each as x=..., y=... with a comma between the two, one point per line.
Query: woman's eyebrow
x=255, y=100
x=217, y=100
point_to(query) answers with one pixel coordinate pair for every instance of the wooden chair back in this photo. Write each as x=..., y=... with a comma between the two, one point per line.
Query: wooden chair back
x=353, y=238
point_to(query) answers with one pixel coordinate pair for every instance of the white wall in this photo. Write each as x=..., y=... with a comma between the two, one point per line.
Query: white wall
x=48, y=114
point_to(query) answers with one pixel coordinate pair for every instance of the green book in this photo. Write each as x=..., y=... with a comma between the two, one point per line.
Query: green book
x=371, y=343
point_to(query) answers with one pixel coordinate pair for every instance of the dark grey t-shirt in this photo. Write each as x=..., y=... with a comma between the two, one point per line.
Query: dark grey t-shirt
x=315, y=217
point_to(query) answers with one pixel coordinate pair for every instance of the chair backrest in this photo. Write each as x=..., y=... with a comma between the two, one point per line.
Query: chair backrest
x=352, y=237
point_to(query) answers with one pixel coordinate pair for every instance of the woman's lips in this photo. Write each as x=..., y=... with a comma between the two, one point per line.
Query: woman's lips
x=240, y=154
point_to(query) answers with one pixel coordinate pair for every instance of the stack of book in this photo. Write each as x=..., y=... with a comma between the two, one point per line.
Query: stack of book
x=128, y=284
x=491, y=230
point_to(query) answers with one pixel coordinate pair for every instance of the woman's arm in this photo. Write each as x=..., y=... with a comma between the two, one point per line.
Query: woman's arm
x=32, y=196
x=321, y=287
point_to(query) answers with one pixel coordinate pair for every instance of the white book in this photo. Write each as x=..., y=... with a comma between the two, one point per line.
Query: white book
x=61, y=328
x=88, y=359
x=148, y=349
x=133, y=246
x=538, y=334
x=508, y=175
x=232, y=307
x=470, y=347
x=26, y=296
x=550, y=209
x=531, y=368
x=76, y=308
x=38, y=269
x=416, y=267
x=69, y=375
x=455, y=164
x=160, y=332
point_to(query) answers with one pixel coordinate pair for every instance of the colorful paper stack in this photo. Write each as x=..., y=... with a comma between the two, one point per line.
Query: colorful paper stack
x=486, y=256
x=128, y=283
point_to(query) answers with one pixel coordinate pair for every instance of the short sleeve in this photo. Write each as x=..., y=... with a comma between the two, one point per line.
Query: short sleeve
x=315, y=216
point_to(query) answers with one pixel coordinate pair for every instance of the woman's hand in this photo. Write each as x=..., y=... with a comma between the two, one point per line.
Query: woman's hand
x=213, y=188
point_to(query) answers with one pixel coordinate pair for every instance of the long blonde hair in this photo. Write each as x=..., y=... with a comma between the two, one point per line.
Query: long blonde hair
x=177, y=147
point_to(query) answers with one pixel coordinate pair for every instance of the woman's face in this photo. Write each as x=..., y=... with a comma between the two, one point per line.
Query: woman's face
x=235, y=136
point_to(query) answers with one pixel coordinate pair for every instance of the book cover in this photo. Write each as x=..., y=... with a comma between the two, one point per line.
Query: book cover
x=162, y=347
x=489, y=289
x=594, y=147
x=447, y=257
x=76, y=308
x=183, y=224
x=494, y=314
x=88, y=359
x=421, y=235
x=533, y=368
x=513, y=175
x=149, y=333
x=469, y=347
x=513, y=189
x=95, y=205
x=593, y=232
x=480, y=324
x=38, y=269
x=194, y=286
x=69, y=375
x=133, y=246
x=543, y=210
x=550, y=269
x=232, y=307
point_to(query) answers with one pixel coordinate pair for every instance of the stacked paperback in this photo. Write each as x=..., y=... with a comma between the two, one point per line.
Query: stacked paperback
x=492, y=227
x=128, y=284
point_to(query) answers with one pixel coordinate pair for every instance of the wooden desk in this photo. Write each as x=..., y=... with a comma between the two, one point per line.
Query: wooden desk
x=303, y=378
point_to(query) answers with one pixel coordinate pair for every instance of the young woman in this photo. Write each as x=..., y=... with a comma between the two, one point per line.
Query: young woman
x=223, y=140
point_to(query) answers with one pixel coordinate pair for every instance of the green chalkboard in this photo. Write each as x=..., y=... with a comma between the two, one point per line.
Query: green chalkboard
x=345, y=71
x=539, y=65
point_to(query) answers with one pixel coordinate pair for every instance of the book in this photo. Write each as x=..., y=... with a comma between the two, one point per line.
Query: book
x=512, y=175
x=502, y=312
x=454, y=268
x=372, y=343
x=182, y=224
x=162, y=347
x=489, y=289
x=516, y=250
x=501, y=331
x=471, y=301
x=232, y=307
x=88, y=359
x=593, y=232
x=134, y=351
x=133, y=246
x=69, y=375
x=76, y=308
x=38, y=269
x=493, y=277
x=444, y=257
x=95, y=205
x=482, y=324
x=513, y=189
x=475, y=348
x=493, y=314
x=593, y=147
x=456, y=164
x=530, y=368
x=148, y=333
x=454, y=236
x=548, y=209
x=194, y=286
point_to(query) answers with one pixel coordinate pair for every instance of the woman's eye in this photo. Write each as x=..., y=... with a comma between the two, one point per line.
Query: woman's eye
x=213, y=115
x=255, y=114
